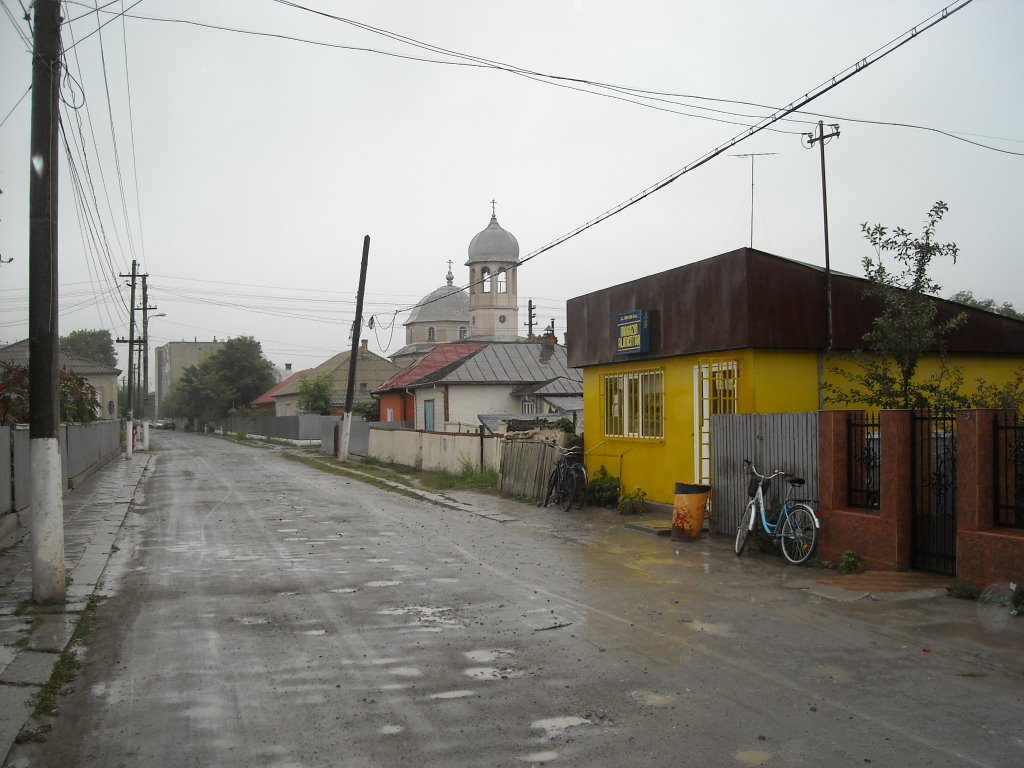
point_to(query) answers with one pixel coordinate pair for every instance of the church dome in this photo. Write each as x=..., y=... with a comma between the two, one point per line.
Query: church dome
x=493, y=244
x=446, y=303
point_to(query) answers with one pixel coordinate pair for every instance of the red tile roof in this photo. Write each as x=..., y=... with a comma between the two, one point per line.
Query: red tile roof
x=439, y=357
x=267, y=398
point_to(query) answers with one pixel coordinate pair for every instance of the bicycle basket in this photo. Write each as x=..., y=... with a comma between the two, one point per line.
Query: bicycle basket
x=752, y=486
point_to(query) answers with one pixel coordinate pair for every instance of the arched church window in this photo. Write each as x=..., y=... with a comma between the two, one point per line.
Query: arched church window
x=485, y=280
x=502, y=281
x=463, y=332
x=431, y=334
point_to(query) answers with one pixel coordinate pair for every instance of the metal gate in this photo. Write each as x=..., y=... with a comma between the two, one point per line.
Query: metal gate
x=933, y=493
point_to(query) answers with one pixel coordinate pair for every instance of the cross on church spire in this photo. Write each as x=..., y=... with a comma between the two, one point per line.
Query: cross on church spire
x=493, y=203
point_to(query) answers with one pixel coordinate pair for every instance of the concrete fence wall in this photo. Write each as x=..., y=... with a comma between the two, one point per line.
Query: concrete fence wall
x=306, y=427
x=441, y=451
x=83, y=449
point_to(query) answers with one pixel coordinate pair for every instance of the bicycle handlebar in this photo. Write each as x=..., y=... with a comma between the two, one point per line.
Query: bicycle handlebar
x=749, y=465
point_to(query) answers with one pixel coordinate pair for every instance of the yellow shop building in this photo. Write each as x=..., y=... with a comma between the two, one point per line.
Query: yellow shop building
x=742, y=332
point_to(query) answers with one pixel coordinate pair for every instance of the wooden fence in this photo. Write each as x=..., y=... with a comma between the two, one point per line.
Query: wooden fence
x=525, y=467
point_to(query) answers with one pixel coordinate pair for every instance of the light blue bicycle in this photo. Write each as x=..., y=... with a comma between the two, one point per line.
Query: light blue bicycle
x=795, y=530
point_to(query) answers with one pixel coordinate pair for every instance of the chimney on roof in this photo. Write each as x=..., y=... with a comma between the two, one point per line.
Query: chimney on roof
x=364, y=345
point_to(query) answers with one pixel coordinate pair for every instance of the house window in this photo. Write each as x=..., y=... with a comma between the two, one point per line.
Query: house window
x=362, y=386
x=485, y=280
x=634, y=404
x=428, y=415
x=431, y=334
x=529, y=406
x=463, y=332
x=502, y=281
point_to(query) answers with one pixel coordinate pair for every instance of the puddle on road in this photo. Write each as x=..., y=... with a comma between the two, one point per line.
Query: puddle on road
x=836, y=674
x=379, y=560
x=315, y=632
x=405, y=671
x=554, y=727
x=445, y=580
x=489, y=673
x=390, y=730
x=719, y=630
x=462, y=694
x=253, y=620
x=492, y=654
x=652, y=698
x=344, y=590
x=539, y=757
x=287, y=530
x=431, y=615
x=754, y=756
x=382, y=583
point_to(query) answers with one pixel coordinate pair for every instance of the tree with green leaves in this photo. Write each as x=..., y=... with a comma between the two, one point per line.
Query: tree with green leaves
x=78, y=400
x=232, y=377
x=989, y=305
x=241, y=364
x=315, y=393
x=97, y=346
x=884, y=373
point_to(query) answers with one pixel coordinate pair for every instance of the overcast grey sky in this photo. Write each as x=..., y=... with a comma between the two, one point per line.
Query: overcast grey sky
x=253, y=165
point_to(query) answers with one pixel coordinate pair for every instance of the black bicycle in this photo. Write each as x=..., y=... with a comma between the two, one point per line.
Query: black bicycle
x=568, y=482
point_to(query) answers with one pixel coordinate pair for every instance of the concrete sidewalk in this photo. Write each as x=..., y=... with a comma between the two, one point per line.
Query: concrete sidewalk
x=32, y=638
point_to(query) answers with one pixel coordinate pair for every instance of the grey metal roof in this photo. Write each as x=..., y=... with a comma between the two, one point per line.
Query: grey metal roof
x=511, y=362
x=446, y=303
x=18, y=353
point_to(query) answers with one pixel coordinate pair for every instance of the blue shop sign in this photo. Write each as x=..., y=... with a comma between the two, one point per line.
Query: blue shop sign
x=634, y=336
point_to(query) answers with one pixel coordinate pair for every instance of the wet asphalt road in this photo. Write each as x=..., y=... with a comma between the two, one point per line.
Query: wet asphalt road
x=262, y=613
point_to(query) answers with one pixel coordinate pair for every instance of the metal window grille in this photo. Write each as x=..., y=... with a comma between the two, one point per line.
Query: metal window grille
x=634, y=404
x=1009, y=474
x=864, y=461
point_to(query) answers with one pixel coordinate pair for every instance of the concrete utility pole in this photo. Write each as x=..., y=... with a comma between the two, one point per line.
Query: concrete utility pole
x=131, y=371
x=531, y=317
x=145, y=362
x=354, y=356
x=48, y=579
x=820, y=141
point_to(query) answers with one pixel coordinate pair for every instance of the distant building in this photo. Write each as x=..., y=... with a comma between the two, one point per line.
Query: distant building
x=174, y=357
x=371, y=371
x=102, y=377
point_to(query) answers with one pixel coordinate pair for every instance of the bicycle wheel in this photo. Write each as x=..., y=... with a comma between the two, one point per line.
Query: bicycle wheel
x=799, y=534
x=568, y=490
x=552, y=484
x=580, y=473
x=743, y=532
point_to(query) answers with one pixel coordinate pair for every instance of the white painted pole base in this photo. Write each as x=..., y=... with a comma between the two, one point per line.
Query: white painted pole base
x=145, y=434
x=346, y=431
x=48, y=581
x=129, y=438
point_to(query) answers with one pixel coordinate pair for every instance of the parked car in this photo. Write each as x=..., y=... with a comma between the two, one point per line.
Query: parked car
x=165, y=424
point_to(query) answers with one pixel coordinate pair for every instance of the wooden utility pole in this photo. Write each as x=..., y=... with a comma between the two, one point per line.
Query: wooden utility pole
x=48, y=579
x=820, y=141
x=129, y=402
x=354, y=356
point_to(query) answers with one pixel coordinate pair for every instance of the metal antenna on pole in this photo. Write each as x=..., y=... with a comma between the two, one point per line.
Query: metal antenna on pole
x=752, y=155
